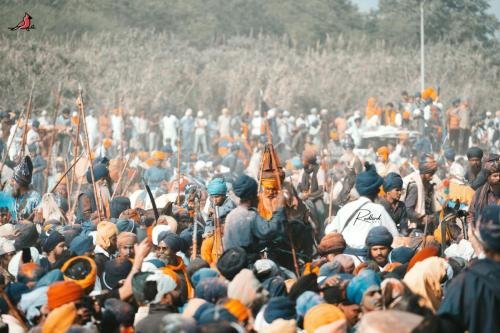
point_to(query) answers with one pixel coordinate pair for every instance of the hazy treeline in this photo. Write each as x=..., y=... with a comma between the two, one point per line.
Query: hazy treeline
x=226, y=64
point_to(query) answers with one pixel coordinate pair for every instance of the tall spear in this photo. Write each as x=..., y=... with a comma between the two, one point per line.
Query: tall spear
x=97, y=196
x=28, y=116
x=52, y=136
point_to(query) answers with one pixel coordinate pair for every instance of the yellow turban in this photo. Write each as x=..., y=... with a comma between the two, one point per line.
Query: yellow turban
x=60, y=319
x=383, y=152
x=321, y=315
x=269, y=183
x=105, y=230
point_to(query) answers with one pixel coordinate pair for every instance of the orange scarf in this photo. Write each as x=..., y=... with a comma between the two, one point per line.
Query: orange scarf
x=181, y=267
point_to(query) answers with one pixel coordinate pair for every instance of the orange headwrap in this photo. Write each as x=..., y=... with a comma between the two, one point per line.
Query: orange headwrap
x=321, y=315
x=383, y=152
x=60, y=319
x=107, y=143
x=426, y=252
x=105, y=230
x=126, y=237
x=89, y=279
x=237, y=309
x=63, y=292
x=158, y=155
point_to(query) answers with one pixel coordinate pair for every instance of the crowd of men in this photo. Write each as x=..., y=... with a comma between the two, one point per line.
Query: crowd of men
x=268, y=221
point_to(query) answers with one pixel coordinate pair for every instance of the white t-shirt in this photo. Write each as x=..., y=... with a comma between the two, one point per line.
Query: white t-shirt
x=368, y=217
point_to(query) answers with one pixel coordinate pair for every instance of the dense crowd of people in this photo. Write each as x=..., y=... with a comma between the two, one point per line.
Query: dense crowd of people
x=261, y=221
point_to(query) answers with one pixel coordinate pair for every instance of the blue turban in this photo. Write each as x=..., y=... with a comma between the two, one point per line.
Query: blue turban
x=401, y=254
x=368, y=182
x=449, y=154
x=211, y=289
x=360, y=284
x=474, y=152
x=215, y=314
x=275, y=286
x=245, y=187
x=379, y=235
x=306, y=301
x=279, y=307
x=173, y=241
x=81, y=244
x=125, y=225
x=217, y=187
x=297, y=163
x=203, y=274
x=393, y=181
x=489, y=227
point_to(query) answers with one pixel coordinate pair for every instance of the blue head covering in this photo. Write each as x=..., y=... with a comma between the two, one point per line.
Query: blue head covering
x=217, y=187
x=211, y=289
x=368, y=182
x=401, y=254
x=306, y=301
x=297, y=163
x=279, y=307
x=173, y=241
x=7, y=201
x=49, y=278
x=449, y=154
x=203, y=274
x=245, y=187
x=81, y=244
x=392, y=181
x=360, y=284
x=489, y=227
x=380, y=236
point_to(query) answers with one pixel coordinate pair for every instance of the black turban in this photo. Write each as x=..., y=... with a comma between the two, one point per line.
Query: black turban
x=474, y=152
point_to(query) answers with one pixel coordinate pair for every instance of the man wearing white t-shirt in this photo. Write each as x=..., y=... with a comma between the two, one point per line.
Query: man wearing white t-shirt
x=357, y=218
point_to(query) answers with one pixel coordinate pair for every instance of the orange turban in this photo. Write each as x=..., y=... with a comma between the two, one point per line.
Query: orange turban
x=383, y=152
x=426, y=252
x=86, y=281
x=237, y=309
x=321, y=315
x=60, y=319
x=149, y=162
x=105, y=230
x=158, y=155
x=107, y=143
x=63, y=292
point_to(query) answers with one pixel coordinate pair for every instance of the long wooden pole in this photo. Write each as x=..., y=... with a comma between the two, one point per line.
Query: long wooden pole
x=4, y=159
x=124, y=191
x=28, y=116
x=52, y=136
x=94, y=186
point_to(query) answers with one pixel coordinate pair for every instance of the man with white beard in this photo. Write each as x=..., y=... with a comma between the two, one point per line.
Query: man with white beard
x=168, y=125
